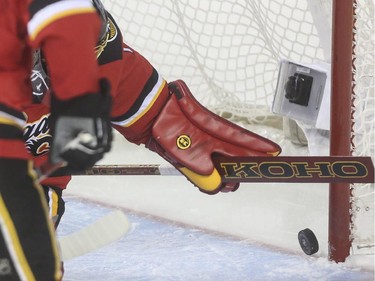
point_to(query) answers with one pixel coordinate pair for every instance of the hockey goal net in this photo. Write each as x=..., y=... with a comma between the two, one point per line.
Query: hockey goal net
x=228, y=52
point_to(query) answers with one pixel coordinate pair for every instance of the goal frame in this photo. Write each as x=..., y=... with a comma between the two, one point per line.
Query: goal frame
x=339, y=236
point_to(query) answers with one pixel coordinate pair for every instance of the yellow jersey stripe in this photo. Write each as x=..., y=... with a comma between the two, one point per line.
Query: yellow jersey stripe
x=51, y=229
x=8, y=119
x=14, y=246
x=53, y=202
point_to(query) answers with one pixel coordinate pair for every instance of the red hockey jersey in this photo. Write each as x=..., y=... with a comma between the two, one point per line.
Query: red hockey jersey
x=30, y=24
x=138, y=91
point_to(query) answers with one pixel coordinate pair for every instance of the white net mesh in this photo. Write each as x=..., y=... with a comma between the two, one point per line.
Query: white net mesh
x=228, y=53
x=363, y=143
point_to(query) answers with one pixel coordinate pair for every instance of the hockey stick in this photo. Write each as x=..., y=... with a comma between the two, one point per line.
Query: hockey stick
x=297, y=169
x=47, y=169
x=102, y=232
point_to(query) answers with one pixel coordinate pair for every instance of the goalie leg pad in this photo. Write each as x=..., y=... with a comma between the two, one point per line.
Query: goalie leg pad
x=189, y=135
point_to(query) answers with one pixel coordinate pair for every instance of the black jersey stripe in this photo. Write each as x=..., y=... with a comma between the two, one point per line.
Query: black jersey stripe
x=150, y=84
x=10, y=132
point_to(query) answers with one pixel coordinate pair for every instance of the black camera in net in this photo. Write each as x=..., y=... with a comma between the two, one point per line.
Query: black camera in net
x=298, y=89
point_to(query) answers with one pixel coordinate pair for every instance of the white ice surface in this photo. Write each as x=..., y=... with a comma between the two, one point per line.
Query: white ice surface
x=155, y=250
x=258, y=214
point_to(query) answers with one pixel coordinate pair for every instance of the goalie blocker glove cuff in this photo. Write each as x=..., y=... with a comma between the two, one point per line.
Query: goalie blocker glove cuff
x=81, y=128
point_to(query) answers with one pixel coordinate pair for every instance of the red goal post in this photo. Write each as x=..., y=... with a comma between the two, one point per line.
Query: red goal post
x=340, y=138
x=346, y=46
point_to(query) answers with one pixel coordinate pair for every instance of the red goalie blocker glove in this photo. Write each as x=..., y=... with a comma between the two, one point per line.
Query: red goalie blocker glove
x=188, y=135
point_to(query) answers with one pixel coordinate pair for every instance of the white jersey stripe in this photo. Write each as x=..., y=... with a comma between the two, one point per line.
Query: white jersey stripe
x=12, y=119
x=146, y=104
x=55, y=11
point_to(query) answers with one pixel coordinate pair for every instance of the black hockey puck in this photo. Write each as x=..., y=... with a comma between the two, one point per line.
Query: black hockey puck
x=308, y=241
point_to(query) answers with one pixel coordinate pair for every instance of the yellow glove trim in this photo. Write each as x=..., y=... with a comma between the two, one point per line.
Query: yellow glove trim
x=205, y=182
